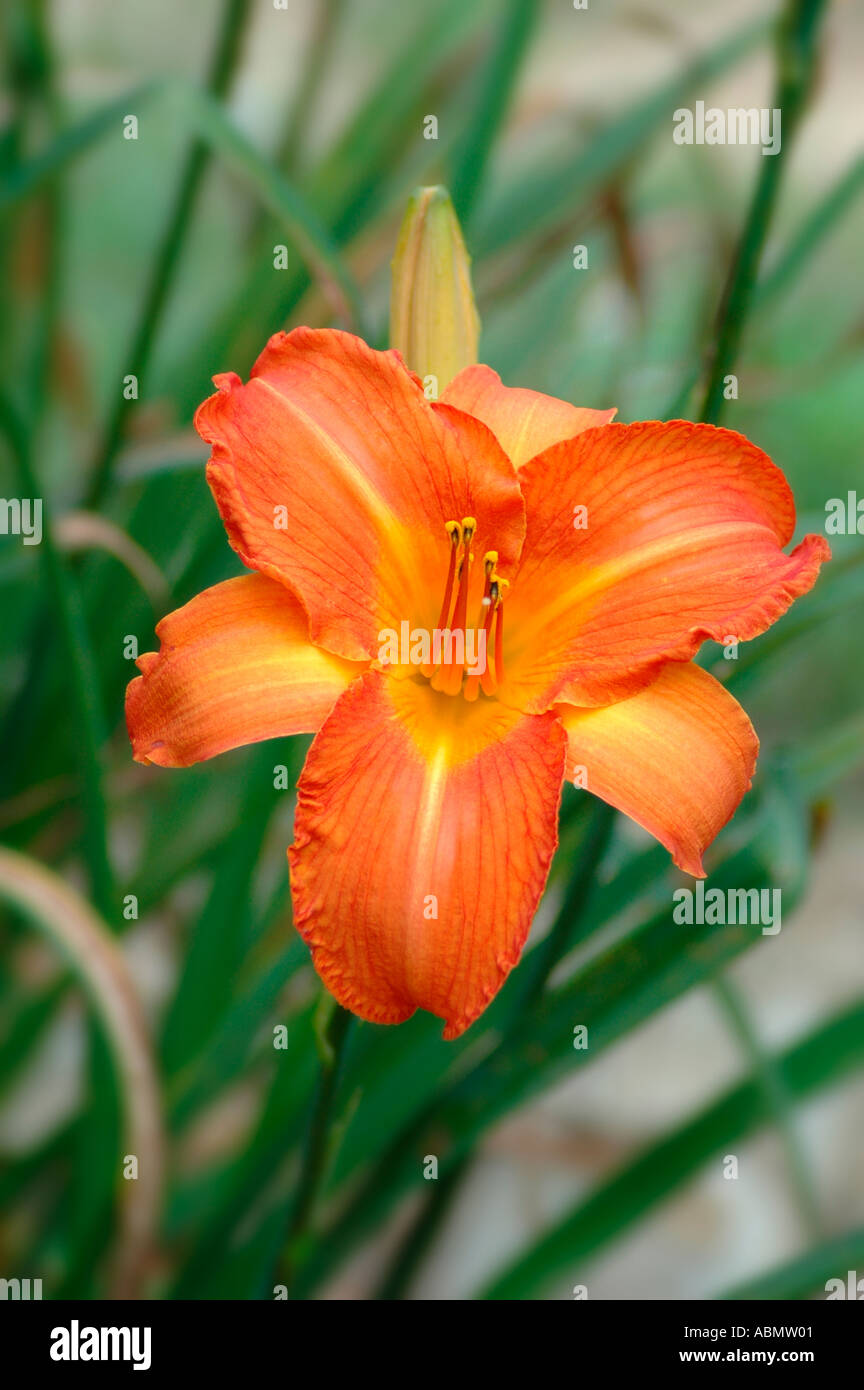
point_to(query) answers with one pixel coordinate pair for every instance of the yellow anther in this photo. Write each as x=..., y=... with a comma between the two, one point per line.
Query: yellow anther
x=454, y=531
x=469, y=526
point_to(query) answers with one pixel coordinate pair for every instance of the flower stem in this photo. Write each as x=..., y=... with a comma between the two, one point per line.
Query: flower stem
x=796, y=65
x=221, y=73
x=332, y=1027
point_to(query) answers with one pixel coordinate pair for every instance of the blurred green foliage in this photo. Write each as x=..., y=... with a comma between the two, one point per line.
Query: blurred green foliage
x=155, y=257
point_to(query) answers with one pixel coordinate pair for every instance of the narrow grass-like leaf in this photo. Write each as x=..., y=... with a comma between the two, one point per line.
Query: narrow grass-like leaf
x=835, y=754
x=537, y=197
x=235, y=14
x=823, y=1058
x=494, y=84
x=778, y=1099
x=314, y=242
x=228, y=1051
x=343, y=182
x=809, y=1273
x=798, y=32
x=89, y=719
x=26, y=1028
x=216, y=948
x=277, y=1133
x=788, y=265
x=201, y=114
x=20, y=181
x=816, y=227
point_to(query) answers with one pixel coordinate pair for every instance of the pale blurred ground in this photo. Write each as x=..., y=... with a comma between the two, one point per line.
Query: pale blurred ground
x=535, y=1165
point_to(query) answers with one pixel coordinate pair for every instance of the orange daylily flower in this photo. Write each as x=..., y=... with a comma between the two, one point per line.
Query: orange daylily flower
x=427, y=808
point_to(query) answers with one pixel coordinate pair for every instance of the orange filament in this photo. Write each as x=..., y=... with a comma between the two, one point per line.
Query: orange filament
x=454, y=531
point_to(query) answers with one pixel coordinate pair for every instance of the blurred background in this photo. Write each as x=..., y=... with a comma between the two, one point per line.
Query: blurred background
x=148, y=953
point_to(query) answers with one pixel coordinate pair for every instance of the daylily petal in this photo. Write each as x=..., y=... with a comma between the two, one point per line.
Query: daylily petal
x=524, y=422
x=677, y=758
x=685, y=525
x=335, y=475
x=235, y=666
x=425, y=826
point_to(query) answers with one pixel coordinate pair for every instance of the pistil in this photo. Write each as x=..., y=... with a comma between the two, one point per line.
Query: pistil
x=490, y=680
x=490, y=600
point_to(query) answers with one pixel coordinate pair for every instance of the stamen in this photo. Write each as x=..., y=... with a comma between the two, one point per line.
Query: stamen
x=454, y=531
x=448, y=677
x=461, y=609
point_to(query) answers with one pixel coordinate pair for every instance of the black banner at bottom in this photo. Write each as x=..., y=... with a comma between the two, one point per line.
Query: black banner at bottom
x=79, y=1339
